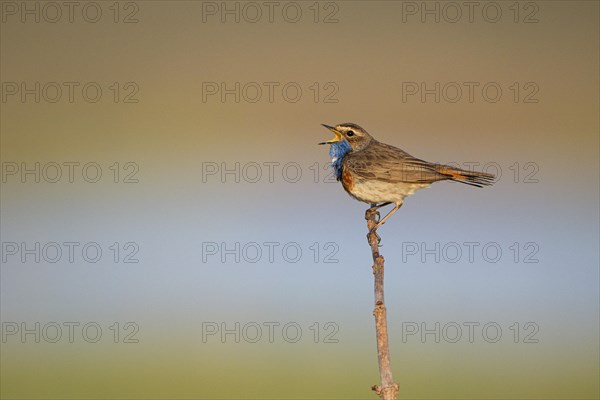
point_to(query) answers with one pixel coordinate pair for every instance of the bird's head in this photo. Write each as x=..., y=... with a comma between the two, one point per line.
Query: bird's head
x=356, y=136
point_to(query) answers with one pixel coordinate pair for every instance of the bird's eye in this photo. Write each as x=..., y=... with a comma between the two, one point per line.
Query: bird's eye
x=350, y=133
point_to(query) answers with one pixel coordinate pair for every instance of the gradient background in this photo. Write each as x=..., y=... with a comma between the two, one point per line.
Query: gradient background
x=171, y=132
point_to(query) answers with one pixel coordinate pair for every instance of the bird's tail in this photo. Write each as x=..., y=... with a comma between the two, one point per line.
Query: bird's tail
x=472, y=178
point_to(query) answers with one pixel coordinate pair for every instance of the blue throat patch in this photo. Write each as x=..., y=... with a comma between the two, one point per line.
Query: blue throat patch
x=337, y=151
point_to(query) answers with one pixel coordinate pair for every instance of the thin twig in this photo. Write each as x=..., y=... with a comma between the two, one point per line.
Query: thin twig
x=388, y=389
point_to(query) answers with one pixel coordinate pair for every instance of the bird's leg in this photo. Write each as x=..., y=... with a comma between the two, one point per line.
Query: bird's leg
x=373, y=210
x=375, y=206
x=392, y=211
x=371, y=231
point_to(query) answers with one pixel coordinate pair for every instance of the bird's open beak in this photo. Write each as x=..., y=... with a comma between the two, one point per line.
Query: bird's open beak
x=338, y=136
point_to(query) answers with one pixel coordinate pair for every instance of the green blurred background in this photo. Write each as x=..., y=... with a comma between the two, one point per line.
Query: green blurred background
x=358, y=58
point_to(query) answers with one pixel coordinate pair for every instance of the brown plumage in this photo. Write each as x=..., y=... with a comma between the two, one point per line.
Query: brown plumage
x=387, y=163
x=381, y=174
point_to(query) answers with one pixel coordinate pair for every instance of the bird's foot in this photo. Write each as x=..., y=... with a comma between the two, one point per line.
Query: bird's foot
x=373, y=211
x=374, y=230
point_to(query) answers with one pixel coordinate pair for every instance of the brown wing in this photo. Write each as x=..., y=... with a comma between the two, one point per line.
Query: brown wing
x=389, y=164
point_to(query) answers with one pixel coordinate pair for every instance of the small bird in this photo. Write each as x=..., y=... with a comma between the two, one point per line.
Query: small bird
x=380, y=174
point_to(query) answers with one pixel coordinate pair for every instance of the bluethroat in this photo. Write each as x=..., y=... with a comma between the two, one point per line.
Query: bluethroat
x=380, y=174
